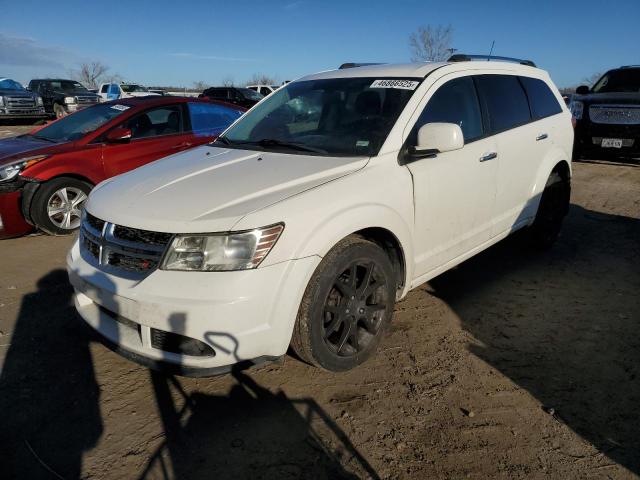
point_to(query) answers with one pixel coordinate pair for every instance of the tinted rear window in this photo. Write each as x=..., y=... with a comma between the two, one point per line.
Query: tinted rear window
x=505, y=100
x=542, y=101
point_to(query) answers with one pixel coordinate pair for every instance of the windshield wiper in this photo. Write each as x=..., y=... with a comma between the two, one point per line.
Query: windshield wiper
x=39, y=137
x=272, y=142
x=224, y=140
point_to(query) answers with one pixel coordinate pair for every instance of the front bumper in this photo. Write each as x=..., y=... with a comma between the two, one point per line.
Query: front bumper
x=12, y=223
x=588, y=137
x=11, y=113
x=244, y=316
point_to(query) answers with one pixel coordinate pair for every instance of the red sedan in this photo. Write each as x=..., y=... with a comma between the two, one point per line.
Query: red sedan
x=46, y=175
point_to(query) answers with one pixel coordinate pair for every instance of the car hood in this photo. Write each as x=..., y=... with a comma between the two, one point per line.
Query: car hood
x=14, y=148
x=209, y=189
x=609, y=98
x=16, y=93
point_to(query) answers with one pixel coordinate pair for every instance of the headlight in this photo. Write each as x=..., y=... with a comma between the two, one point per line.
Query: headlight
x=1, y=101
x=222, y=252
x=69, y=99
x=576, y=109
x=7, y=172
x=39, y=101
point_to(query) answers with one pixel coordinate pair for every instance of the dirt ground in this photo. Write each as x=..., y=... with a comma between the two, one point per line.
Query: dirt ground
x=514, y=365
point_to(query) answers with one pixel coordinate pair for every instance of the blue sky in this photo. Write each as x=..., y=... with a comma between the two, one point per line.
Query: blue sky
x=177, y=43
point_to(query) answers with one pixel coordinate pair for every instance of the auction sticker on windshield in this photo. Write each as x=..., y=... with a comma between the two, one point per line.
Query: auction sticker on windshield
x=402, y=84
x=122, y=108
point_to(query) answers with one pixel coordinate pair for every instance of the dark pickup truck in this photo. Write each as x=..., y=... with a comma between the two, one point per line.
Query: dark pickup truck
x=16, y=102
x=63, y=96
x=607, y=116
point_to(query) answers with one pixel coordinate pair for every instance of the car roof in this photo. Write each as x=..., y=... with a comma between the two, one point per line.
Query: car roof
x=54, y=80
x=416, y=70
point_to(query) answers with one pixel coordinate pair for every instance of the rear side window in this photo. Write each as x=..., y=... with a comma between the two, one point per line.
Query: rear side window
x=208, y=120
x=541, y=99
x=104, y=88
x=454, y=102
x=505, y=100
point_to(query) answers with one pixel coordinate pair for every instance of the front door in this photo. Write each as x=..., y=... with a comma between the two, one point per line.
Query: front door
x=454, y=192
x=155, y=133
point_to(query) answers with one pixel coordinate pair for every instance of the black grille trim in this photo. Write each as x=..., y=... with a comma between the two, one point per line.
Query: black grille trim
x=180, y=344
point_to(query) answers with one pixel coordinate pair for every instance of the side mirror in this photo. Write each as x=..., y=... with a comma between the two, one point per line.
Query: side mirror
x=583, y=90
x=434, y=138
x=119, y=135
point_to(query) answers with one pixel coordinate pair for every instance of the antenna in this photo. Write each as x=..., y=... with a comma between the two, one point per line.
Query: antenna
x=491, y=51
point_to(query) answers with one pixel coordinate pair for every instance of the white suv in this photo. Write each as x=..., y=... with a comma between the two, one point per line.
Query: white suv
x=317, y=210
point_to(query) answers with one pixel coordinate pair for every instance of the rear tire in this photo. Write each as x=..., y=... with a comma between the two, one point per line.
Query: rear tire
x=554, y=206
x=57, y=205
x=347, y=306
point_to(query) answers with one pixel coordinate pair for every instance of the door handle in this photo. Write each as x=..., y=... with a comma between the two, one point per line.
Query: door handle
x=488, y=156
x=542, y=136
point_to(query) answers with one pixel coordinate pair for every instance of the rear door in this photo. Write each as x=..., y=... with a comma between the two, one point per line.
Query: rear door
x=156, y=133
x=454, y=192
x=507, y=109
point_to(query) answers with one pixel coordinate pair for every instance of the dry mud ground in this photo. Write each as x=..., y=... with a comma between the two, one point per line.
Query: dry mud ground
x=513, y=365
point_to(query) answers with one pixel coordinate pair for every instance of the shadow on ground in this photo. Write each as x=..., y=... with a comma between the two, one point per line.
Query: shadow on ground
x=563, y=324
x=50, y=408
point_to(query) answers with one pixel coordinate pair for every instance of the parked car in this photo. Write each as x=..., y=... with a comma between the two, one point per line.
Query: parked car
x=243, y=97
x=115, y=91
x=264, y=90
x=61, y=97
x=607, y=116
x=302, y=229
x=45, y=176
x=17, y=102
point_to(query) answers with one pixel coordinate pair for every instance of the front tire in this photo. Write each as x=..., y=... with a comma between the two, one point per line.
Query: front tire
x=554, y=206
x=59, y=110
x=57, y=205
x=347, y=306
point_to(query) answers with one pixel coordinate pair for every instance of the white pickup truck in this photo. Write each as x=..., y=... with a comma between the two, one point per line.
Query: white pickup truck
x=115, y=91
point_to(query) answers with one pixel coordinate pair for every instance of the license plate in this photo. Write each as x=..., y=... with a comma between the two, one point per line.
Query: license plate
x=611, y=143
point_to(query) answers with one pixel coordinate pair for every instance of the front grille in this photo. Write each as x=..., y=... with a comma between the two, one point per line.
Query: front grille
x=122, y=248
x=20, y=102
x=86, y=99
x=175, y=343
x=615, y=114
x=144, y=236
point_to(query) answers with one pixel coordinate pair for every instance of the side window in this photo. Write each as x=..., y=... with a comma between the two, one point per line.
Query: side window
x=505, y=100
x=541, y=99
x=454, y=102
x=159, y=121
x=208, y=119
x=104, y=88
x=265, y=91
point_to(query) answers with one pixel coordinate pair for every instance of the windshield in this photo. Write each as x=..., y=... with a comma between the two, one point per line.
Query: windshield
x=623, y=80
x=8, y=84
x=76, y=126
x=66, y=85
x=338, y=116
x=252, y=94
x=133, y=88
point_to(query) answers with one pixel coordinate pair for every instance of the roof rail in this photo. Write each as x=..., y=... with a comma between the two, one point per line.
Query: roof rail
x=353, y=65
x=461, y=57
x=630, y=66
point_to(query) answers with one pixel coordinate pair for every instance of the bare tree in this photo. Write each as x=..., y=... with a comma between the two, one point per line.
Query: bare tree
x=200, y=85
x=261, y=79
x=431, y=43
x=228, y=81
x=90, y=73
